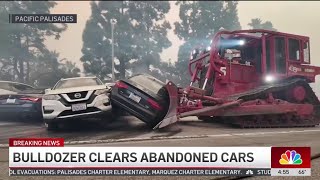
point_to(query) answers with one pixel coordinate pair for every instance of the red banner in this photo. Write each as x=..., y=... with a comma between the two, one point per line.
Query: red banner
x=290, y=157
x=36, y=142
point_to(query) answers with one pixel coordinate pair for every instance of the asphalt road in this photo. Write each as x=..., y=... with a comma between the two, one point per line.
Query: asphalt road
x=129, y=127
x=75, y=130
x=189, y=132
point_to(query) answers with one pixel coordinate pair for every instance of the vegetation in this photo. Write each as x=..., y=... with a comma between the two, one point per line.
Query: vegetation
x=140, y=35
x=257, y=23
x=23, y=55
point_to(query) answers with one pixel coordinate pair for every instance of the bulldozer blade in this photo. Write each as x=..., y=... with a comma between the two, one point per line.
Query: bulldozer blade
x=171, y=116
x=166, y=122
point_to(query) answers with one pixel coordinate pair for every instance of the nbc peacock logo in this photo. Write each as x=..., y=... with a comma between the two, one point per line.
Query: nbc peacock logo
x=290, y=158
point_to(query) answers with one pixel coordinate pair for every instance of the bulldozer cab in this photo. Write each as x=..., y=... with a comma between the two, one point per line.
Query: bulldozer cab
x=285, y=53
x=269, y=52
x=240, y=60
x=274, y=55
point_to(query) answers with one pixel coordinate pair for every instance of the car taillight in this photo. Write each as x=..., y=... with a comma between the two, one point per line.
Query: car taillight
x=120, y=84
x=154, y=104
x=33, y=99
x=4, y=97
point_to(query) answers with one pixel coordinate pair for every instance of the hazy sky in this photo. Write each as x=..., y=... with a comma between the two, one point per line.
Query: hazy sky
x=292, y=17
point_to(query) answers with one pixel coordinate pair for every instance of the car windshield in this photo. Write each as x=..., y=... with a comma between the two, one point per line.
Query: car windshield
x=70, y=83
x=148, y=82
x=16, y=87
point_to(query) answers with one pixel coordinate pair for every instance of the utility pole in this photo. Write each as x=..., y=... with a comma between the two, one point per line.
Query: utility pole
x=113, y=22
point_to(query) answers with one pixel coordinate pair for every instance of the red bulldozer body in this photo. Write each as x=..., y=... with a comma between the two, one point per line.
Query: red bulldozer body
x=249, y=78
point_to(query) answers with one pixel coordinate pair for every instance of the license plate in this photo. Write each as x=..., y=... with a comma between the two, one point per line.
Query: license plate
x=11, y=101
x=135, y=97
x=78, y=107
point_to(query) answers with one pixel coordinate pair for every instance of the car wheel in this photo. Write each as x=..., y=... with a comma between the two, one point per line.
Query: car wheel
x=51, y=126
x=107, y=118
x=117, y=111
x=153, y=123
x=205, y=118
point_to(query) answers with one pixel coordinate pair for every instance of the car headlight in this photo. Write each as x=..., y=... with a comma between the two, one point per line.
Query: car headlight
x=51, y=97
x=100, y=91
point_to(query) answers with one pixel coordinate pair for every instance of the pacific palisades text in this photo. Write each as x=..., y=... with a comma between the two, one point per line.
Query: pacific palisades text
x=43, y=18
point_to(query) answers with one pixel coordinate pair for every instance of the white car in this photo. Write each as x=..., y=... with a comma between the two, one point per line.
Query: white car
x=75, y=98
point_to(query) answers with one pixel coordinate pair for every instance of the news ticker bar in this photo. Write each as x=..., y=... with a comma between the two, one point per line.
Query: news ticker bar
x=42, y=18
x=139, y=172
x=158, y=172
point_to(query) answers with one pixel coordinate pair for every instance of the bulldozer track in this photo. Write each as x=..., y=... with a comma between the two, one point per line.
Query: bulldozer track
x=271, y=88
x=274, y=120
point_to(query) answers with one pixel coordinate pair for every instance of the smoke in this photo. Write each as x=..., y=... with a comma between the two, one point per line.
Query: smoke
x=316, y=86
x=140, y=68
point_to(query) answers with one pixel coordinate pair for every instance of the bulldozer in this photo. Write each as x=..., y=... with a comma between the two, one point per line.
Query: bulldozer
x=251, y=79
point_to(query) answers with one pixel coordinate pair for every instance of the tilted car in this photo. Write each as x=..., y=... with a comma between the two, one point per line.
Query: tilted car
x=20, y=101
x=75, y=98
x=142, y=96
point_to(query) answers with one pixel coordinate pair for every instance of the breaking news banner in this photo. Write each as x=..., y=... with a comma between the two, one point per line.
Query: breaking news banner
x=49, y=157
x=42, y=18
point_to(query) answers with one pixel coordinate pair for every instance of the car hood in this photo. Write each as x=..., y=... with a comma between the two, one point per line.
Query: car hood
x=31, y=93
x=75, y=89
x=6, y=92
